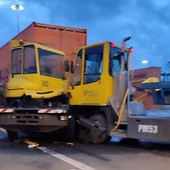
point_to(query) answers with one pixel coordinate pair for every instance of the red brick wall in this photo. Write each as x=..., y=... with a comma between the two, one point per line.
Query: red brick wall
x=137, y=77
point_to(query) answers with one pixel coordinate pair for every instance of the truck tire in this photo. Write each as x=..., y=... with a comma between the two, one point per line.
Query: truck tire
x=100, y=120
x=12, y=136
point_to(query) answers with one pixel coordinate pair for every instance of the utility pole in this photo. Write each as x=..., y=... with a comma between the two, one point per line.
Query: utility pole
x=17, y=8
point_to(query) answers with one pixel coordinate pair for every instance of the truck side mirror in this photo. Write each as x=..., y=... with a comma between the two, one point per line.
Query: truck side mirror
x=66, y=63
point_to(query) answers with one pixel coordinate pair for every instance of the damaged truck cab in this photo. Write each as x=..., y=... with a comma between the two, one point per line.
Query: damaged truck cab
x=34, y=98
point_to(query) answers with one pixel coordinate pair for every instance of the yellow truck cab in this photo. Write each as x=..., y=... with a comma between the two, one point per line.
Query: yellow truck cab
x=100, y=81
x=36, y=98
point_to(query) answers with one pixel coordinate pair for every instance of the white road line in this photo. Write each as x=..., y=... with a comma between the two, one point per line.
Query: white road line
x=66, y=159
x=3, y=130
x=61, y=157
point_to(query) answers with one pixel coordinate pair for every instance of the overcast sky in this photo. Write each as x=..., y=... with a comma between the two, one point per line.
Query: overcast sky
x=146, y=21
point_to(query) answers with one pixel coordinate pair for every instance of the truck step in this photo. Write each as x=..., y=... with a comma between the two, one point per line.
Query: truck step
x=119, y=133
x=122, y=125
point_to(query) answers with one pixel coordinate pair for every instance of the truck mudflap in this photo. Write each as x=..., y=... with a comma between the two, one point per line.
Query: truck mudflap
x=90, y=131
x=149, y=128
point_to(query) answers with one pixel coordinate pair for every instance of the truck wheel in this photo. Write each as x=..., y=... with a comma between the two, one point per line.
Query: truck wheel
x=100, y=120
x=12, y=136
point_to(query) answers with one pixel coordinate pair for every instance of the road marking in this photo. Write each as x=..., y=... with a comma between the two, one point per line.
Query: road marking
x=60, y=156
x=66, y=159
x=3, y=130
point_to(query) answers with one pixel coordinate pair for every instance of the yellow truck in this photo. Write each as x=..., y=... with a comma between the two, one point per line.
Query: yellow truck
x=34, y=97
x=88, y=96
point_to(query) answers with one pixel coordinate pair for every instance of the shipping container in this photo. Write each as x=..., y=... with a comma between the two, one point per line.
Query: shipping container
x=63, y=38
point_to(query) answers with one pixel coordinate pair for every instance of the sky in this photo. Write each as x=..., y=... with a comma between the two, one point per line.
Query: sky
x=146, y=21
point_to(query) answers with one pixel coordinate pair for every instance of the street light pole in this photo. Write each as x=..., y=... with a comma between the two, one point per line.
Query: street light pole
x=17, y=8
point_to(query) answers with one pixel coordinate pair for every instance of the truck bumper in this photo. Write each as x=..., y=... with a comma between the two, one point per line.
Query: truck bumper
x=29, y=122
x=149, y=128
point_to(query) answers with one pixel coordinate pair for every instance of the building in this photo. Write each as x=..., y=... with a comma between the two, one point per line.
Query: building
x=137, y=77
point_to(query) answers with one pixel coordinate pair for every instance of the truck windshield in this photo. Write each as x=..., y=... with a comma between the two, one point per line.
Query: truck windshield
x=118, y=61
x=51, y=64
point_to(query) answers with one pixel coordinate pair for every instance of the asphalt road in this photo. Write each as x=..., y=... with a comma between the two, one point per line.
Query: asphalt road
x=59, y=155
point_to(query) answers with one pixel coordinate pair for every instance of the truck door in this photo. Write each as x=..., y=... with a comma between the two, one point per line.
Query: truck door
x=88, y=69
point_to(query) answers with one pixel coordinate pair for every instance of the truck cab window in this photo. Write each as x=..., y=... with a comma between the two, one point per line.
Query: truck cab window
x=16, y=61
x=93, y=63
x=51, y=64
x=118, y=61
x=29, y=60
